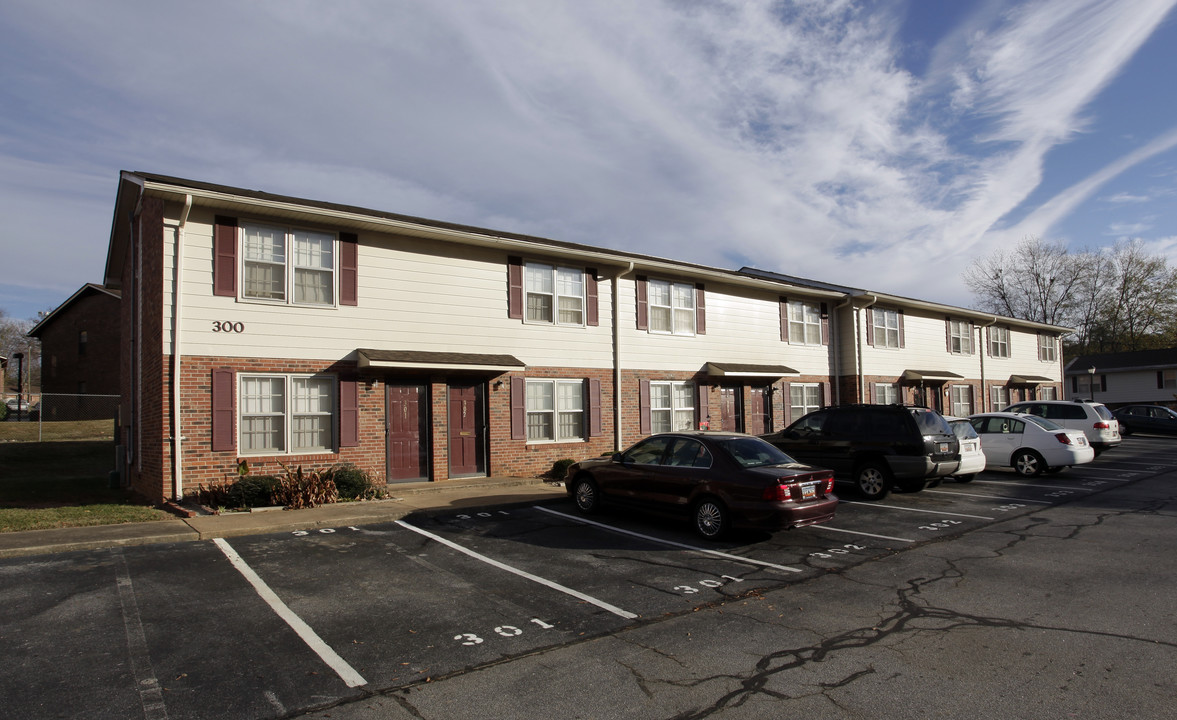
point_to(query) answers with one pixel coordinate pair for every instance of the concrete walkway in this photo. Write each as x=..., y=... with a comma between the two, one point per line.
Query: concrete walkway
x=407, y=498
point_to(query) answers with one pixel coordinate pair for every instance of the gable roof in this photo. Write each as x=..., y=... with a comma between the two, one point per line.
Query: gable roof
x=1122, y=361
x=85, y=291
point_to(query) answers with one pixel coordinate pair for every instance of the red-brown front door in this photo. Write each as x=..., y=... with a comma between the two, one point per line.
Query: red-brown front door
x=732, y=408
x=405, y=430
x=467, y=430
x=758, y=419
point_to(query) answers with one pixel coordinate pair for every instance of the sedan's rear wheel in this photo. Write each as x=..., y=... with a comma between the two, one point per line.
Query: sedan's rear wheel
x=587, y=495
x=711, y=518
x=873, y=480
x=1028, y=463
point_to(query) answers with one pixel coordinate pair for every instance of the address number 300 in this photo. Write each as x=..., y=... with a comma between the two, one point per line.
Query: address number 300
x=229, y=327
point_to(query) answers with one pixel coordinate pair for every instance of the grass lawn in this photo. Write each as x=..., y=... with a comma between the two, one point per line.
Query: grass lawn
x=64, y=480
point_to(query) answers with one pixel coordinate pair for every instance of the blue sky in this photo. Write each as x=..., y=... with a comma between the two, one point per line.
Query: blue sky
x=875, y=144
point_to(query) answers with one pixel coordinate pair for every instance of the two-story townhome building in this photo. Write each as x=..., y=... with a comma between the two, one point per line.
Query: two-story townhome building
x=275, y=329
x=893, y=349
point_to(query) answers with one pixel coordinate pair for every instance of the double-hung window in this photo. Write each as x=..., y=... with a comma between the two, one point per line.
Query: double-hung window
x=672, y=406
x=287, y=265
x=886, y=328
x=886, y=394
x=804, y=398
x=1047, y=348
x=282, y=414
x=960, y=337
x=999, y=342
x=672, y=307
x=804, y=323
x=998, y=398
x=555, y=410
x=554, y=294
x=962, y=400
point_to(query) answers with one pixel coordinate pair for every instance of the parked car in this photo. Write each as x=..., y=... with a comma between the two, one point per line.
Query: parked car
x=1029, y=444
x=874, y=447
x=1146, y=419
x=972, y=458
x=722, y=480
x=1094, y=419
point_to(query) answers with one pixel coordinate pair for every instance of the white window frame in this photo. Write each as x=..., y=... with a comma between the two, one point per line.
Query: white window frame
x=998, y=398
x=289, y=413
x=555, y=288
x=561, y=407
x=291, y=267
x=886, y=394
x=998, y=342
x=961, y=397
x=960, y=334
x=1048, y=393
x=672, y=406
x=804, y=323
x=804, y=398
x=676, y=300
x=1048, y=348
x=886, y=330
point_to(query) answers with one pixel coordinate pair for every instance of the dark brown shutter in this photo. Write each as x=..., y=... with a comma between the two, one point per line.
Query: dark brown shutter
x=702, y=407
x=700, y=310
x=515, y=288
x=518, y=408
x=825, y=324
x=591, y=313
x=644, y=407
x=825, y=394
x=972, y=399
x=225, y=257
x=870, y=327
x=901, y=339
x=1103, y=383
x=787, y=402
x=948, y=333
x=1074, y=384
x=972, y=334
x=1160, y=379
x=784, y=303
x=1039, y=346
x=643, y=295
x=988, y=342
x=349, y=413
x=224, y=412
x=874, y=393
x=348, y=269
x=594, y=402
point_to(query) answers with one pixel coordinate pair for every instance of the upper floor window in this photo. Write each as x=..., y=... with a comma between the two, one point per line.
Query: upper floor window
x=554, y=294
x=999, y=342
x=286, y=414
x=960, y=337
x=555, y=410
x=887, y=328
x=1047, y=348
x=83, y=340
x=287, y=265
x=804, y=323
x=672, y=307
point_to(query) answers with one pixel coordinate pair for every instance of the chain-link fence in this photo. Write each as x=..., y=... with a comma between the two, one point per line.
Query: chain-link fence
x=60, y=416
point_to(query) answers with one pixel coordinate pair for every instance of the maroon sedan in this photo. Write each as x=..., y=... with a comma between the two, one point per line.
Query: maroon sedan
x=722, y=480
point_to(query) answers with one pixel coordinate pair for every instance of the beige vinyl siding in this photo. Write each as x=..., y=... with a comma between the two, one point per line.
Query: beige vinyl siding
x=1023, y=359
x=413, y=295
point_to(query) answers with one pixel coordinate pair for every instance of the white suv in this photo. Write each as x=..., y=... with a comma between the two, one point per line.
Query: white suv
x=1094, y=419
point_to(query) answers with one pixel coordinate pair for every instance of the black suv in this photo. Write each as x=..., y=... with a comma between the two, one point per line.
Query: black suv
x=874, y=446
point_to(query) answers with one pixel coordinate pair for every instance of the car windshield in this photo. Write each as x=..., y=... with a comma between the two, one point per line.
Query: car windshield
x=931, y=423
x=1042, y=422
x=753, y=452
x=963, y=429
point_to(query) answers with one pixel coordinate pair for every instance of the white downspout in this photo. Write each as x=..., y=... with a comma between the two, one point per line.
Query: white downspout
x=984, y=348
x=618, y=438
x=859, y=363
x=177, y=308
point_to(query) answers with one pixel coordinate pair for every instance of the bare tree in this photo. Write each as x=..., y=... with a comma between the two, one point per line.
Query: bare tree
x=1141, y=298
x=14, y=339
x=1036, y=281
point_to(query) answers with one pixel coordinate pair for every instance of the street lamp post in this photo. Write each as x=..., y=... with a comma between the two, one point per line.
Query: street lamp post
x=1091, y=384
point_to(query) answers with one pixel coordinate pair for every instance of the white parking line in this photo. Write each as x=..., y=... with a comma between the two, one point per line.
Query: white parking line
x=1111, y=479
x=726, y=556
x=521, y=573
x=1031, y=485
x=989, y=497
x=918, y=510
x=346, y=672
x=855, y=532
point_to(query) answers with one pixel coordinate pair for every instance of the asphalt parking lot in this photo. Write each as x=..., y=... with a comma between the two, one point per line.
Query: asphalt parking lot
x=278, y=625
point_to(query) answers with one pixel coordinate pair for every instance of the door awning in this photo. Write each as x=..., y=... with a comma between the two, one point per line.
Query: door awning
x=931, y=375
x=417, y=360
x=1028, y=379
x=738, y=370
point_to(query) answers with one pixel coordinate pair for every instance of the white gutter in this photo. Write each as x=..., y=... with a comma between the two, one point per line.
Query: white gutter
x=177, y=311
x=618, y=438
x=859, y=363
x=983, y=349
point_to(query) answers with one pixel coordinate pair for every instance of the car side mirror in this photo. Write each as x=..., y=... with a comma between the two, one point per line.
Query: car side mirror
x=616, y=457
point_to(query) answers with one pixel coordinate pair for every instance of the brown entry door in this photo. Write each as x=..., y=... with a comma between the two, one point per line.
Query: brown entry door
x=731, y=402
x=759, y=416
x=467, y=430
x=405, y=429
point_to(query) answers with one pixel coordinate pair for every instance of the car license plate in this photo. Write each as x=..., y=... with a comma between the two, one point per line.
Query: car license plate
x=943, y=448
x=808, y=492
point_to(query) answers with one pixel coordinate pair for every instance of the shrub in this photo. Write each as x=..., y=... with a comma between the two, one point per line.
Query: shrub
x=253, y=491
x=559, y=468
x=352, y=483
x=297, y=489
